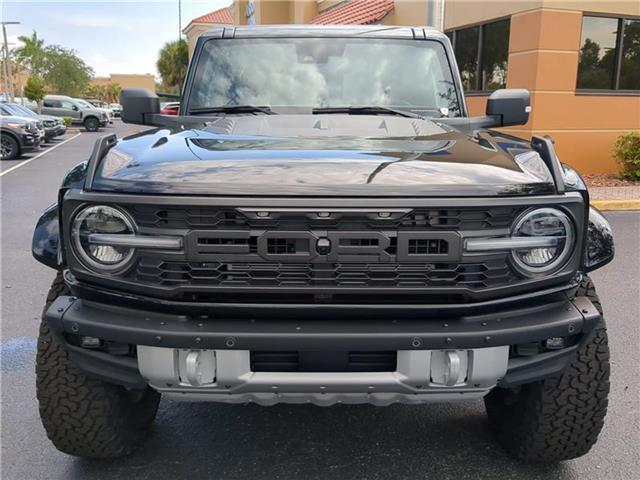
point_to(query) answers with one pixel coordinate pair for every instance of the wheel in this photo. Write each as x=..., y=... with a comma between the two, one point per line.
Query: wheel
x=91, y=124
x=9, y=148
x=84, y=416
x=558, y=418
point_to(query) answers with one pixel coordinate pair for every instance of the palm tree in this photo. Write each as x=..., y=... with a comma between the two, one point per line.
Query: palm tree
x=113, y=92
x=172, y=63
x=32, y=53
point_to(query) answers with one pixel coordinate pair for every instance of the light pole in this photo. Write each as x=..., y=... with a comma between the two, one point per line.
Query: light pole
x=7, y=62
x=179, y=20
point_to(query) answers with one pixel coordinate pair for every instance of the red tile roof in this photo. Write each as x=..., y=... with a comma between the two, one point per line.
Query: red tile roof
x=222, y=16
x=355, y=12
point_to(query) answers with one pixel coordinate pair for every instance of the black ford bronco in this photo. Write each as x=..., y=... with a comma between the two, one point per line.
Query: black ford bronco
x=323, y=223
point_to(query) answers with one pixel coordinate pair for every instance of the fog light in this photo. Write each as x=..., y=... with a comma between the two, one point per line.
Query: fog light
x=449, y=367
x=554, y=343
x=199, y=367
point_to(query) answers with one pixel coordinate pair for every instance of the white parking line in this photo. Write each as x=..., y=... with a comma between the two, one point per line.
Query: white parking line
x=21, y=164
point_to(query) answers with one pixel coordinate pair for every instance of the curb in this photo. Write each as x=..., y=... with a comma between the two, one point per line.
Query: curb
x=612, y=205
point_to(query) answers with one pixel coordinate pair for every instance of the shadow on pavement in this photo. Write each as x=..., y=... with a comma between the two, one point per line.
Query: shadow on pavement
x=287, y=441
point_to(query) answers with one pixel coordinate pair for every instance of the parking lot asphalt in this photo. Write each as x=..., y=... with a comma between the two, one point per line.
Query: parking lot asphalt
x=200, y=440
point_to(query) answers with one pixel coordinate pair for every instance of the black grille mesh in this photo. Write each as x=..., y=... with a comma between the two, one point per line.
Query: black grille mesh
x=214, y=274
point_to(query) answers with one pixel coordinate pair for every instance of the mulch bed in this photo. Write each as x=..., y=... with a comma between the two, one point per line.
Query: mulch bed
x=608, y=180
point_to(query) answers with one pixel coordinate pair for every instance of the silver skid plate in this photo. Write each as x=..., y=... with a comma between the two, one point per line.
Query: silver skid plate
x=421, y=376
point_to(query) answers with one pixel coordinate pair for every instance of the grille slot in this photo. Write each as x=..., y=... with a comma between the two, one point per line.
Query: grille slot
x=339, y=361
x=422, y=246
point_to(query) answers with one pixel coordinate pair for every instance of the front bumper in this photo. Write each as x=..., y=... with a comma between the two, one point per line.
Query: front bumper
x=561, y=317
x=139, y=327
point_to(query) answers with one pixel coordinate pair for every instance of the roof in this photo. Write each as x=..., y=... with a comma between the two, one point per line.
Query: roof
x=355, y=12
x=340, y=31
x=221, y=16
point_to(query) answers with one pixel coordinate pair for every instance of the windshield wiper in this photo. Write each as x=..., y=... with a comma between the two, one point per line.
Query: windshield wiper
x=372, y=110
x=233, y=109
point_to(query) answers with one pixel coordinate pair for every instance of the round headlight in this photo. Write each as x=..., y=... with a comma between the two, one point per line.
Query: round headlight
x=101, y=219
x=547, y=224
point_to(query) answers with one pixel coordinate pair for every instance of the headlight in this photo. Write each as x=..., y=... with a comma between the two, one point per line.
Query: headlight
x=553, y=229
x=101, y=219
x=19, y=126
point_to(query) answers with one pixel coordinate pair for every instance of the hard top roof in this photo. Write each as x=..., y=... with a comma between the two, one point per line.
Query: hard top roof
x=379, y=31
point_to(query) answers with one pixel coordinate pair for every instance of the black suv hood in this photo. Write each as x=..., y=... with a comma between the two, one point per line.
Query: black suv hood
x=328, y=155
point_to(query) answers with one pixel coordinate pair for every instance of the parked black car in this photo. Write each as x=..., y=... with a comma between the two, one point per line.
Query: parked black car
x=17, y=136
x=53, y=126
x=324, y=223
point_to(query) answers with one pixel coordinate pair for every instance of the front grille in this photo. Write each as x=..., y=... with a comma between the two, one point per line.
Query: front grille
x=164, y=273
x=338, y=361
x=281, y=255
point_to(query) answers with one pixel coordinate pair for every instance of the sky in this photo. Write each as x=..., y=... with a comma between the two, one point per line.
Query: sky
x=111, y=36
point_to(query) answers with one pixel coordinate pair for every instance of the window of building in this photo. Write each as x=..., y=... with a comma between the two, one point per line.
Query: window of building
x=609, y=54
x=482, y=52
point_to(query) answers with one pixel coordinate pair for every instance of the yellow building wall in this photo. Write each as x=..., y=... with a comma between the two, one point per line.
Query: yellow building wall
x=127, y=80
x=407, y=12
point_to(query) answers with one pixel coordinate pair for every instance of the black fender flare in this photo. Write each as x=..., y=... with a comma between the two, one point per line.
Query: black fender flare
x=600, y=247
x=46, y=244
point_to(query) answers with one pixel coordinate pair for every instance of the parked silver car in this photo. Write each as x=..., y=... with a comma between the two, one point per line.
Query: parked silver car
x=81, y=114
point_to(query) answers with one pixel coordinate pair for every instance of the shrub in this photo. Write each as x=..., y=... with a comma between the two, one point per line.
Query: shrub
x=67, y=121
x=627, y=153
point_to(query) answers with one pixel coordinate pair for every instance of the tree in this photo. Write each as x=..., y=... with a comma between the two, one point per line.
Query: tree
x=32, y=53
x=95, y=91
x=112, y=92
x=34, y=90
x=66, y=73
x=172, y=63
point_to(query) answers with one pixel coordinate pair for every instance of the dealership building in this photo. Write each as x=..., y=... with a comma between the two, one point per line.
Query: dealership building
x=579, y=59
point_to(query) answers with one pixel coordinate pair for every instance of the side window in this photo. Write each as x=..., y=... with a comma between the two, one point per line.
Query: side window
x=609, y=54
x=630, y=62
x=52, y=103
x=482, y=53
x=597, y=52
x=67, y=105
x=494, y=54
x=467, y=56
x=4, y=112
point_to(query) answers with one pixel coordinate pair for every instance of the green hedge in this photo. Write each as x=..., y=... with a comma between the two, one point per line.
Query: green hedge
x=67, y=121
x=627, y=153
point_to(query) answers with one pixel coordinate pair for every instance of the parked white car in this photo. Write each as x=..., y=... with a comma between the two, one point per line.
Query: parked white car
x=86, y=104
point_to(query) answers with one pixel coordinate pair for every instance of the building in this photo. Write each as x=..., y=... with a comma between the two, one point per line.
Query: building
x=200, y=24
x=128, y=80
x=579, y=59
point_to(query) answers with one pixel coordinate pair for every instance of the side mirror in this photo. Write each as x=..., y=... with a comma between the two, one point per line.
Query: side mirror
x=511, y=105
x=74, y=108
x=138, y=104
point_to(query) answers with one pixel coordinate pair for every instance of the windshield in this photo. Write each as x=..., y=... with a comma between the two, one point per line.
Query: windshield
x=84, y=104
x=306, y=73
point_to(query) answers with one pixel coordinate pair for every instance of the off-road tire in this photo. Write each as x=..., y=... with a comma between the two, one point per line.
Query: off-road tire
x=91, y=124
x=558, y=418
x=10, y=147
x=84, y=416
